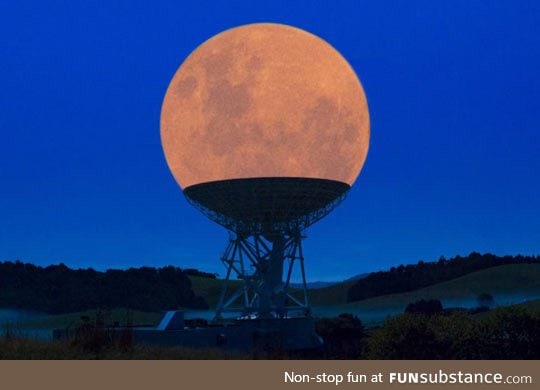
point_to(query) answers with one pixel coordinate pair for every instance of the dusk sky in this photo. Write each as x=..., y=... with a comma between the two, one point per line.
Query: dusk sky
x=453, y=89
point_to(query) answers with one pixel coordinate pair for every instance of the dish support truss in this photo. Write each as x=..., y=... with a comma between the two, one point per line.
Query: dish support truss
x=260, y=263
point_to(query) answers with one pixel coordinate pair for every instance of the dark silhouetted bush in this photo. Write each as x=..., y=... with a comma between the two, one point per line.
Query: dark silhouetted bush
x=504, y=333
x=343, y=336
x=509, y=333
x=485, y=300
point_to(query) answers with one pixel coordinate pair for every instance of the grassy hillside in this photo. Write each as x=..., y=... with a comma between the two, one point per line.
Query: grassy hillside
x=332, y=295
x=533, y=305
x=210, y=289
x=504, y=280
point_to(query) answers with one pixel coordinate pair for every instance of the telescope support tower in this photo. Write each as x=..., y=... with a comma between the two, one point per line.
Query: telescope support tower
x=260, y=262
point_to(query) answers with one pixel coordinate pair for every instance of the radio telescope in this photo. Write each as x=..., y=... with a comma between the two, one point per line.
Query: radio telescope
x=265, y=127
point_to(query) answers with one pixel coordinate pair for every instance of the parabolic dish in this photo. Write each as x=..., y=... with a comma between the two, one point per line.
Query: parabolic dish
x=265, y=101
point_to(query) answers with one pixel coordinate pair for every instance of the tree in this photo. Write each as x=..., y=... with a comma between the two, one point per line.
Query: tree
x=485, y=300
x=58, y=289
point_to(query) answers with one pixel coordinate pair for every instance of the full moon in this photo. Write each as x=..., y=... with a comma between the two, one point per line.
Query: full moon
x=265, y=100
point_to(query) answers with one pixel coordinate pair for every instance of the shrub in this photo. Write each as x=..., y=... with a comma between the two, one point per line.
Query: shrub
x=505, y=333
x=485, y=300
x=343, y=336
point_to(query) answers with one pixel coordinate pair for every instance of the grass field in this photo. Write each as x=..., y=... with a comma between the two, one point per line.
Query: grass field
x=210, y=290
x=73, y=319
x=503, y=280
x=28, y=349
x=332, y=295
x=13, y=346
x=533, y=305
x=506, y=280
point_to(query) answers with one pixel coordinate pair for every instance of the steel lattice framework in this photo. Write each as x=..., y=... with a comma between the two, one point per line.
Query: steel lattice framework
x=262, y=205
x=254, y=261
x=266, y=218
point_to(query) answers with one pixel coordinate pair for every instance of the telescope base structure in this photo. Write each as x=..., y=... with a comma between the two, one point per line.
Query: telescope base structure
x=260, y=336
x=260, y=263
x=265, y=217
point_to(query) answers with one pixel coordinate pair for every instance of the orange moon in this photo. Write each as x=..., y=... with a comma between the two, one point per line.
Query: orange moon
x=265, y=100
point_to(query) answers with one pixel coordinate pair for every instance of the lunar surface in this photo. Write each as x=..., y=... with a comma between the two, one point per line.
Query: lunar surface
x=264, y=100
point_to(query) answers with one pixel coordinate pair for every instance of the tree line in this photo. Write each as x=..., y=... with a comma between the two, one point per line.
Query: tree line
x=59, y=289
x=414, y=276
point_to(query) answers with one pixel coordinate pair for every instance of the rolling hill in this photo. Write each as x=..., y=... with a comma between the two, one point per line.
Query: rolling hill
x=505, y=280
x=513, y=279
x=517, y=280
x=210, y=289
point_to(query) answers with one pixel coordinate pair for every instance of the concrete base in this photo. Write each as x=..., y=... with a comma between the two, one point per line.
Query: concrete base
x=243, y=335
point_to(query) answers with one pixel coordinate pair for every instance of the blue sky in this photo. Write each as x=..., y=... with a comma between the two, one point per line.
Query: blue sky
x=453, y=166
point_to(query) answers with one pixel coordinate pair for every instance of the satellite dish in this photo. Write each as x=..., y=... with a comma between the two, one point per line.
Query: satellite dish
x=265, y=127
